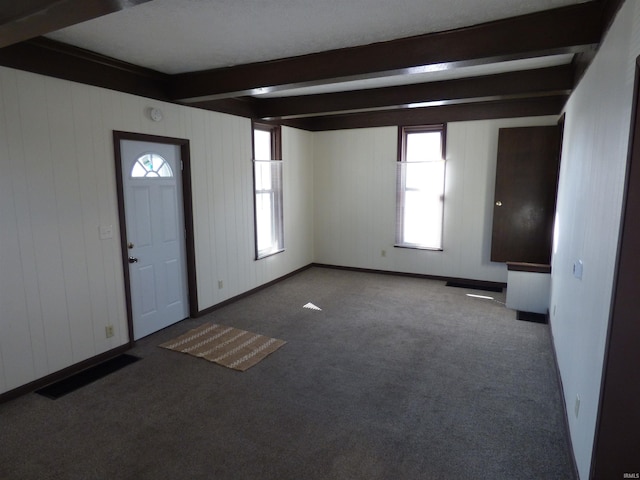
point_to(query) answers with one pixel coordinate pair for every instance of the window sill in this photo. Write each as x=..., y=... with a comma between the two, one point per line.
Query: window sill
x=418, y=247
x=270, y=254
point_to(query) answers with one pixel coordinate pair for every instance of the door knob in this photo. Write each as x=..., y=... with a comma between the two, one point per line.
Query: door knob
x=133, y=260
x=498, y=203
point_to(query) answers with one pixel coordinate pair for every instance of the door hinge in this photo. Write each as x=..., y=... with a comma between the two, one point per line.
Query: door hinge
x=181, y=165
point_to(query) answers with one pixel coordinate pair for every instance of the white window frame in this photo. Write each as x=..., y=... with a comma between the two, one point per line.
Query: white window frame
x=275, y=242
x=437, y=162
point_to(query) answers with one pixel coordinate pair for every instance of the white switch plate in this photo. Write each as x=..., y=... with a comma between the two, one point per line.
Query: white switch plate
x=106, y=231
x=578, y=267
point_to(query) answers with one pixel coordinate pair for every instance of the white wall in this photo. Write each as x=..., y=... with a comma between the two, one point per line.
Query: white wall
x=223, y=205
x=355, y=214
x=60, y=285
x=588, y=219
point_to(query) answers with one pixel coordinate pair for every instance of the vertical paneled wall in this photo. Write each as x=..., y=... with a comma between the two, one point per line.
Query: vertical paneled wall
x=223, y=206
x=355, y=213
x=60, y=284
x=588, y=218
x=354, y=207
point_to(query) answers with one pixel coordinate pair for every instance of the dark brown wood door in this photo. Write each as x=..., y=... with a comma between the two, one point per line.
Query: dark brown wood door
x=525, y=194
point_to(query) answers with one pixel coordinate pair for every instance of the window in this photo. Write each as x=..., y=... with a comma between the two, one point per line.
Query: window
x=267, y=182
x=151, y=165
x=420, y=194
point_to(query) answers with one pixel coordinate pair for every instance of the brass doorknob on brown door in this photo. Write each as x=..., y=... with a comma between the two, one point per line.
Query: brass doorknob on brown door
x=498, y=203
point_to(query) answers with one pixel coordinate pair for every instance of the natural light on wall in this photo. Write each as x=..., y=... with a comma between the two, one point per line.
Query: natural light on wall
x=420, y=202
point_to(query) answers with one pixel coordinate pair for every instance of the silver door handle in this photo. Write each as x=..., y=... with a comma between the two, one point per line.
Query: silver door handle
x=498, y=203
x=133, y=260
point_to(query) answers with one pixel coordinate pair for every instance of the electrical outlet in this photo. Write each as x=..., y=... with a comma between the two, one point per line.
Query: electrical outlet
x=220, y=284
x=109, y=331
x=576, y=407
x=106, y=232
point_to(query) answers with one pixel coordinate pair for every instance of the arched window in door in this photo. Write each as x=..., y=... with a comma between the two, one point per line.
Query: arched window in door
x=151, y=165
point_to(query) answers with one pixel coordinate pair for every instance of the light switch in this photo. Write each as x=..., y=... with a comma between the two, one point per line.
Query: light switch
x=577, y=269
x=106, y=231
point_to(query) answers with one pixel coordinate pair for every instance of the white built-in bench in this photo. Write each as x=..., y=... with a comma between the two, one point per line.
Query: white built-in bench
x=528, y=287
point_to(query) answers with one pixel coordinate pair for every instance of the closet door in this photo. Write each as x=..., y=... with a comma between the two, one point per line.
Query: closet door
x=525, y=194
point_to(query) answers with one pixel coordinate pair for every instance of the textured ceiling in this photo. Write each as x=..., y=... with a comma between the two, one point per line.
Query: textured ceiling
x=175, y=36
x=288, y=61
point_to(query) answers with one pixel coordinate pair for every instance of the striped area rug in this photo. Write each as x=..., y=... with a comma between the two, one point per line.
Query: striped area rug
x=227, y=346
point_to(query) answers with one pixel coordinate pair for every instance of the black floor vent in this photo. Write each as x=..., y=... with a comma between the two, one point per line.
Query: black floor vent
x=85, y=377
x=532, y=317
x=475, y=286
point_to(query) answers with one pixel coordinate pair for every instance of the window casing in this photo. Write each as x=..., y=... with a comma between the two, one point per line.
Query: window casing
x=420, y=187
x=267, y=182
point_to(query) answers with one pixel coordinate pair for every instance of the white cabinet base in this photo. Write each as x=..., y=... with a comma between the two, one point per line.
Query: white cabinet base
x=528, y=287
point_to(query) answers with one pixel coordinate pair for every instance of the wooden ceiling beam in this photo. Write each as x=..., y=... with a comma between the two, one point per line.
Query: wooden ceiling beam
x=55, y=59
x=609, y=10
x=564, y=30
x=241, y=107
x=553, y=80
x=571, y=29
x=551, y=105
x=22, y=20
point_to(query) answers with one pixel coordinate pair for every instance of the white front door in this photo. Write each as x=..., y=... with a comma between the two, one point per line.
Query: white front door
x=154, y=215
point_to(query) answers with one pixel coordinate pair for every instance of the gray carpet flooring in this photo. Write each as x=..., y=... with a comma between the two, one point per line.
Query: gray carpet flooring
x=396, y=378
